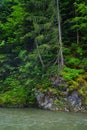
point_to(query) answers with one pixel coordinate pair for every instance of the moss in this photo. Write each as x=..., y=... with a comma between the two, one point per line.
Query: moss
x=58, y=102
x=53, y=91
x=79, y=84
x=85, y=101
x=82, y=81
x=74, y=86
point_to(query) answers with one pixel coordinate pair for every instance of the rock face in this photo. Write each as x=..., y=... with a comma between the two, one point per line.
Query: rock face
x=52, y=102
x=74, y=102
x=45, y=101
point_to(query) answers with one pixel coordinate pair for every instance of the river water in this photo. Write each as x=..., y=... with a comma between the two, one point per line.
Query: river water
x=35, y=119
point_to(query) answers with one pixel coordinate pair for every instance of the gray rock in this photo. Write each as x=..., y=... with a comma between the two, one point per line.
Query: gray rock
x=71, y=103
x=45, y=101
x=74, y=102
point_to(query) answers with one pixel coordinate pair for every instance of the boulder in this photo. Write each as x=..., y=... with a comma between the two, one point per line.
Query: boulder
x=74, y=102
x=45, y=101
x=71, y=103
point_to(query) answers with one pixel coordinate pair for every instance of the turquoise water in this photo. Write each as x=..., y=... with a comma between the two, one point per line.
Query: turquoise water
x=35, y=119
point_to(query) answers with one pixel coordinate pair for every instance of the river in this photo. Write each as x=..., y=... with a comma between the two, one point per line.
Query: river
x=35, y=119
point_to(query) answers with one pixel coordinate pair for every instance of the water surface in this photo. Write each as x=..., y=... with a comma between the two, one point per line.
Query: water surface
x=34, y=119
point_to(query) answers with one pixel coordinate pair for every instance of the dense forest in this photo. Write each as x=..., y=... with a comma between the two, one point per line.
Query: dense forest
x=42, y=48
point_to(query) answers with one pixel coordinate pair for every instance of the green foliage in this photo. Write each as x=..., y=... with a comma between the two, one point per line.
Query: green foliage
x=15, y=94
x=16, y=97
x=70, y=74
x=52, y=70
x=80, y=20
x=45, y=82
x=73, y=61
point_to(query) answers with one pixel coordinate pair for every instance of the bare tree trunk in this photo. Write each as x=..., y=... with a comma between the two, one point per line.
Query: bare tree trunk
x=39, y=55
x=60, y=59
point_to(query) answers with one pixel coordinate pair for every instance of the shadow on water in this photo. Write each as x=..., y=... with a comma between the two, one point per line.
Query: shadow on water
x=35, y=119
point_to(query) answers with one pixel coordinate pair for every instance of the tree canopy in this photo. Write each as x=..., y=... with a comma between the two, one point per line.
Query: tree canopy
x=30, y=46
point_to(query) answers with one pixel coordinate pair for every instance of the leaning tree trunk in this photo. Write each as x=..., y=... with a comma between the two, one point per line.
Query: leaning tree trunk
x=60, y=57
x=39, y=55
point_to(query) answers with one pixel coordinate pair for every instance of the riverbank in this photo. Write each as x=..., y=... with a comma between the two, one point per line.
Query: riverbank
x=61, y=95
x=54, y=100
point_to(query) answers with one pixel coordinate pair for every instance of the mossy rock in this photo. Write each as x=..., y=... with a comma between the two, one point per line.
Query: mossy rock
x=85, y=102
x=59, y=104
x=53, y=91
